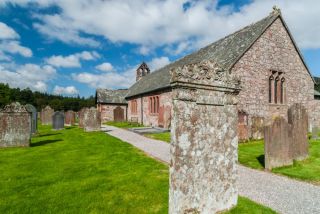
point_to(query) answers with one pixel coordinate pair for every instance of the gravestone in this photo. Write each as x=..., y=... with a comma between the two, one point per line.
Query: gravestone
x=298, y=118
x=277, y=140
x=204, y=141
x=257, y=127
x=285, y=141
x=315, y=132
x=58, y=120
x=70, y=118
x=34, y=118
x=15, y=126
x=46, y=115
x=81, y=115
x=91, y=120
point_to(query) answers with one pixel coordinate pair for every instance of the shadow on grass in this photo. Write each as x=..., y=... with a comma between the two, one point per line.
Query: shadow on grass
x=261, y=160
x=46, y=135
x=44, y=142
x=69, y=127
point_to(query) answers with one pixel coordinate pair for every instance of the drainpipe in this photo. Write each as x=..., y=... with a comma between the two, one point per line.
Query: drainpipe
x=141, y=110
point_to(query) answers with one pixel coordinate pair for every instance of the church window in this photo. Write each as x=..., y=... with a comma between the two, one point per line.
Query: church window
x=154, y=104
x=134, y=107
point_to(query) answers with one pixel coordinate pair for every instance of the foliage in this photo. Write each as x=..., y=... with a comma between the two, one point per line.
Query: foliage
x=252, y=155
x=165, y=136
x=124, y=124
x=40, y=100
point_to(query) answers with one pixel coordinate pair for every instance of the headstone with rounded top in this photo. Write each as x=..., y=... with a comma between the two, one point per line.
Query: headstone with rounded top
x=58, y=120
x=34, y=114
x=15, y=126
x=91, y=120
x=46, y=115
x=70, y=118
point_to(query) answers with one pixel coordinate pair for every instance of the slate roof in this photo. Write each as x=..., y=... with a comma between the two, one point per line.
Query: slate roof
x=111, y=96
x=226, y=52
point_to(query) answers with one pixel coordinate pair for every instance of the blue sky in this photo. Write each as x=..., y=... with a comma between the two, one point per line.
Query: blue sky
x=73, y=47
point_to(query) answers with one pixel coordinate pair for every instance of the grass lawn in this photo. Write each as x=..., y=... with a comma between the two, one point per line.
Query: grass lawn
x=252, y=155
x=123, y=124
x=165, y=136
x=70, y=171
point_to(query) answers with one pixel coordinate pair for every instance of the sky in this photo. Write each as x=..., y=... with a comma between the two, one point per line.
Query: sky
x=72, y=47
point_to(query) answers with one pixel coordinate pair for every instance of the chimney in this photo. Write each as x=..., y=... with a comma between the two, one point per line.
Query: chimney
x=142, y=71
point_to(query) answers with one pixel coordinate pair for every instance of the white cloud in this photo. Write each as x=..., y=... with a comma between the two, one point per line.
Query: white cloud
x=30, y=76
x=106, y=66
x=111, y=80
x=157, y=63
x=14, y=47
x=7, y=32
x=165, y=22
x=69, y=90
x=72, y=60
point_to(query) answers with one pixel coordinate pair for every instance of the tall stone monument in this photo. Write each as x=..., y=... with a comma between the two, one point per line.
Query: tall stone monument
x=91, y=120
x=204, y=140
x=70, y=118
x=15, y=126
x=58, y=120
x=34, y=117
x=46, y=115
x=81, y=115
x=285, y=141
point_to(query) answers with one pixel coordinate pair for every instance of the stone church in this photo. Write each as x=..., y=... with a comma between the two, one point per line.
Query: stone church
x=265, y=58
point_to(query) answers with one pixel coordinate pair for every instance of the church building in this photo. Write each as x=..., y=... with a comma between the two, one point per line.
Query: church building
x=264, y=56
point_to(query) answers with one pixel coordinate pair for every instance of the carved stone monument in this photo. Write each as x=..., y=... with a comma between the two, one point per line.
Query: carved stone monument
x=15, y=126
x=58, y=120
x=91, y=120
x=204, y=139
x=34, y=118
x=285, y=141
x=70, y=118
x=46, y=115
x=298, y=118
x=81, y=115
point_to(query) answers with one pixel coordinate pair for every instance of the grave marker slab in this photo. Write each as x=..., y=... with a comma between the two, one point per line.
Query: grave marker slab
x=58, y=120
x=70, y=118
x=204, y=140
x=91, y=120
x=34, y=118
x=46, y=115
x=15, y=126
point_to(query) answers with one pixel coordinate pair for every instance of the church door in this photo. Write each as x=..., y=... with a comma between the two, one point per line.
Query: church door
x=118, y=114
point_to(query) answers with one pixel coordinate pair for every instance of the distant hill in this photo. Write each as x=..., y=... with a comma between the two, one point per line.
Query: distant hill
x=40, y=100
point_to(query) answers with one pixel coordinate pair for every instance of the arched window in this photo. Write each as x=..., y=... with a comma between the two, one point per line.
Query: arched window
x=282, y=88
x=271, y=79
x=154, y=104
x=276, y=89
x=158, y=104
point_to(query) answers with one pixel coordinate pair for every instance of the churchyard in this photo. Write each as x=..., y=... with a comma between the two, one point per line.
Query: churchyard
x=72, y=171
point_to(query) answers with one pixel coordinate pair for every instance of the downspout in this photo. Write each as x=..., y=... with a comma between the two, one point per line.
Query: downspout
x=141, y=110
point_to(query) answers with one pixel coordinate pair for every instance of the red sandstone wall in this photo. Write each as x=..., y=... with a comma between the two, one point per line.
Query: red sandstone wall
x=106, y=111
x=274, y=50
x=149, y=119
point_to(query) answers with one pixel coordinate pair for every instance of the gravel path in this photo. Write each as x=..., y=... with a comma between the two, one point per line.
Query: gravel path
x=282, y=194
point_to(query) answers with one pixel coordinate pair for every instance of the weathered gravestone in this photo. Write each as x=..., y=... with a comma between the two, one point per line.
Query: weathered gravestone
x=204, y=140
x=257, y=127
x=277, y=139
x=298, y=118
x=81, y=115
x=91, y=120
x=15, y=126
x=315, y=132
x=70, y=118
x=58, y=120
x=34, y=117
x=46, y=115
x=286, y=141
